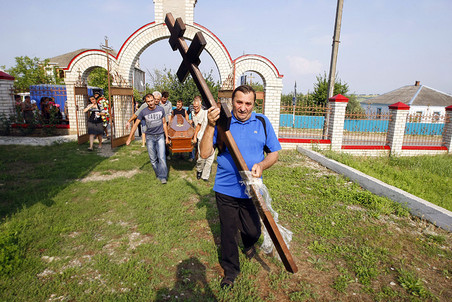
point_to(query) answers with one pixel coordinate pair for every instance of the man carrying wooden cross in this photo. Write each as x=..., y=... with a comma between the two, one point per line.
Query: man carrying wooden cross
x=254, y=135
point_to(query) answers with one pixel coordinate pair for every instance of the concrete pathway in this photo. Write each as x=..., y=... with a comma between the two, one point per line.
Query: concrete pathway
x=36, y=141
x=106, y=150
x=418, y=206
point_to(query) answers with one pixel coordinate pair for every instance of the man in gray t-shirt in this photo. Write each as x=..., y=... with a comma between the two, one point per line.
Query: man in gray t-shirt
x=156, y=136
x=166, y=105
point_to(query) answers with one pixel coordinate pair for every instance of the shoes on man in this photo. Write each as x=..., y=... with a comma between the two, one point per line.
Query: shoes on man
x=227, y=283
x=163, y=181
x=198, y=175
x=250, y=252
x=90, y=149
x=206, y=180
x=190, y=159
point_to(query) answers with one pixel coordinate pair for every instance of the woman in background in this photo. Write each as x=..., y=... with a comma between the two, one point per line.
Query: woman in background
x=95, y=123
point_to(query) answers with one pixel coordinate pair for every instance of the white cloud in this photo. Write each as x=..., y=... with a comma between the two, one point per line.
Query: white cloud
x=303, y=66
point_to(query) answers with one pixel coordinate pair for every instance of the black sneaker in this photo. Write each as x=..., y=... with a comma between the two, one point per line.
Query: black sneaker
x=198, y=175
x=227, y=283
x=250, y=252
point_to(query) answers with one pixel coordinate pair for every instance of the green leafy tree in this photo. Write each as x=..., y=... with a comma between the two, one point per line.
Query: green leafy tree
x=166, y=80
x=321, y=89
x=257, y=87
x=99, y=78
x=29, y=71
x=321, y=92
x=353, y=105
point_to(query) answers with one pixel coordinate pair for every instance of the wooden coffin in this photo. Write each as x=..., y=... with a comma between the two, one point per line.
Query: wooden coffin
x=180, y=133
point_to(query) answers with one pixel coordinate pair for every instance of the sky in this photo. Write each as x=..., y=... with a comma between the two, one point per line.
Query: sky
x=384, y=44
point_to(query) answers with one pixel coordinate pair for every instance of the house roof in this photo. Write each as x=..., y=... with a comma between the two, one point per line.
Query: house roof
x=5, y=76
x=413, y=95
x=63, y=60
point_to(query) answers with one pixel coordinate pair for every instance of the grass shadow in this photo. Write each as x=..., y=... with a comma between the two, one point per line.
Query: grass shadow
x=191, y=284
x=34, y=177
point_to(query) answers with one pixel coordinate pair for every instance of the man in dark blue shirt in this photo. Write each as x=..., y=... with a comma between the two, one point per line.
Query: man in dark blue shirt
x=156, y=136
x=236, y=210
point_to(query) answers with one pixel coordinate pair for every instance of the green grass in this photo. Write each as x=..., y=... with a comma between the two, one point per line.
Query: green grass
x=428, y=177
x=77, y=226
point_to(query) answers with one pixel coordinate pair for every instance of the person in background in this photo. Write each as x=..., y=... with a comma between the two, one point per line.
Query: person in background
x=157, y=97
x=27, y=110
x=35, y=105
x=199, y=116
x=104, y=105
x=168, y=107
x=66, y=113
x=45, y=109
x=142, y=126
x=156, y=136
x=18, y=106
x=95, y=123
x=179, y=110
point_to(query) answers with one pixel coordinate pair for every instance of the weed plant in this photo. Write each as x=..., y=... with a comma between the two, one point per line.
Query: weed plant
x=78, y=226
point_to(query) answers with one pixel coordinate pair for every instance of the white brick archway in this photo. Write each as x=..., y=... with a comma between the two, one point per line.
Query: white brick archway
x=272, y=83
x=229, y=70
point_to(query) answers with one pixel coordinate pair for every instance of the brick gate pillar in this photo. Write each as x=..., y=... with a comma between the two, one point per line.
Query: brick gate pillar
x=396, y=128
x=447, y=134
x=6, y=94
x=338, y=104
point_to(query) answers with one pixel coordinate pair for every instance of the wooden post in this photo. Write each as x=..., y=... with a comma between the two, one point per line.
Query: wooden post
x=190, y=64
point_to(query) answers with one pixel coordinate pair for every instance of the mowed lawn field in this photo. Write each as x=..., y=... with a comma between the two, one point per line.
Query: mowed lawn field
x=78, y=226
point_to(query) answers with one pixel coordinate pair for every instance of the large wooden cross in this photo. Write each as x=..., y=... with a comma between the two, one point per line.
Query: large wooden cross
x=190, y=64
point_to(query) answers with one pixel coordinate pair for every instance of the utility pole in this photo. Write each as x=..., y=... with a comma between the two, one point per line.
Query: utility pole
x=294, y=103
x=107, y=50
x=332, y=75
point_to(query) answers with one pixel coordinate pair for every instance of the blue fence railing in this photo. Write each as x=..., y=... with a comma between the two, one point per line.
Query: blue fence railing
x=316, y=122
x=366, y=125
x=424, y=128
x=301, y=121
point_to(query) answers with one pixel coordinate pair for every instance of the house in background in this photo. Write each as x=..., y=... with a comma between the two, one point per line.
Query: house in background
x=61, y=62
x=423, y=101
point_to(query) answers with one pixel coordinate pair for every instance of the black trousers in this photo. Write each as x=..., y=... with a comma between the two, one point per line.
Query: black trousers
x=236, y=214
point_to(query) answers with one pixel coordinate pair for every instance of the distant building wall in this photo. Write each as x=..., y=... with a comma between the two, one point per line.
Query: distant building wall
x=6, y=94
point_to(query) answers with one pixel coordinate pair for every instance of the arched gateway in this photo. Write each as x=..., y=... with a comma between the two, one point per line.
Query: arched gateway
x=123, y=63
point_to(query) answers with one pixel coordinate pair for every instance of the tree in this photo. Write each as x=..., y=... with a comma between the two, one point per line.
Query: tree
x=321, y=89
x=321, y=92
x=29, y=71
x=353, y=105
x=257, y=87
x=167, y=81
x=98, y=77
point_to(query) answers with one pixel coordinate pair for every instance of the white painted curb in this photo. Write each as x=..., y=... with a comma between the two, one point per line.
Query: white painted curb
x=418, y=206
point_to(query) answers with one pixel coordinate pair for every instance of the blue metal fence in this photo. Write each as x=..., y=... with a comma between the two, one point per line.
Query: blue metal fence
x=353, y=125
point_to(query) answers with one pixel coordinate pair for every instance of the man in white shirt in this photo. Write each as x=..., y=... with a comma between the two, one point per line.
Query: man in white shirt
x=199, y=116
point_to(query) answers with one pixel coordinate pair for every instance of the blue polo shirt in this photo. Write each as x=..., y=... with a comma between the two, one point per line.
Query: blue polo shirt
x=250, y=139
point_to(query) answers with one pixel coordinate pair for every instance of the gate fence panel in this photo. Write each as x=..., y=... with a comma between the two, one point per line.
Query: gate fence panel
x=425, y=130
x=302, y=121
x=367, y=129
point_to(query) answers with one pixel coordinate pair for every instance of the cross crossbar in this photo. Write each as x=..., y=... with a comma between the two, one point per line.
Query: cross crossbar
x=190, y=62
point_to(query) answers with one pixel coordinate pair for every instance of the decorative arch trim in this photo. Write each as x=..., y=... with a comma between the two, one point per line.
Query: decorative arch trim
x=253, y=56
x=131, y=36
x=216, y=37
x=93, y=51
